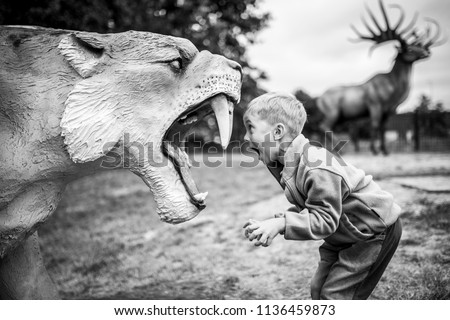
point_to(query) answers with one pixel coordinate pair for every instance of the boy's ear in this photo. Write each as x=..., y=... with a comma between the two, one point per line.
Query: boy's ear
x=279, y=131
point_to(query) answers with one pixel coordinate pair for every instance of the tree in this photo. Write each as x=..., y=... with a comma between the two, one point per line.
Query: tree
x=225, y=27
x=311, y=128
x=424, y=104
x=430, y=118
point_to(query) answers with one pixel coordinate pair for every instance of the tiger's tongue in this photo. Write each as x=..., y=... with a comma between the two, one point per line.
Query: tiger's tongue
x=182, y=163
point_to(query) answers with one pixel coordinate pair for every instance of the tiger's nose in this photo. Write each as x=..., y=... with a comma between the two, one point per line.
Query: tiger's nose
x=235, y=66
x=217, y=62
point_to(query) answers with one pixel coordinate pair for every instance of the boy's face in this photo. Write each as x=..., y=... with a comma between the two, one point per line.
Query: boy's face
x=261, y=138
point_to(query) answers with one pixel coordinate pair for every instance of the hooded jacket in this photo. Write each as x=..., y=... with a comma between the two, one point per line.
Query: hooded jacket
x=333, y=200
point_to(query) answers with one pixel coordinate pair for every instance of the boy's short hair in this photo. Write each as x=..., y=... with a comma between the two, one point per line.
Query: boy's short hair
x=281, y=107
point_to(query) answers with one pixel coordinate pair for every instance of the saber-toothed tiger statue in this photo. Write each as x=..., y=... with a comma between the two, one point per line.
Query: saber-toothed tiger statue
x=68, y=99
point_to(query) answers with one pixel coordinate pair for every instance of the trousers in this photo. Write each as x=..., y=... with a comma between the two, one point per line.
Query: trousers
x=353, y=271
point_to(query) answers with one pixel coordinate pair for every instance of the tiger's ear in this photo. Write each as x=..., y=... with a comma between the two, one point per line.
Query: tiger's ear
x=84, y=52
x=94, y=119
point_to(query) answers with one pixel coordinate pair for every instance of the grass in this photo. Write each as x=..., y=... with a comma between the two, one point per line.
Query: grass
x=429, y=282
x=422, y=270
x=105, y=241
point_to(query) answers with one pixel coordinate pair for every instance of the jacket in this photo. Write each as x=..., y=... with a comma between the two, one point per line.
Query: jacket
x=333, y=200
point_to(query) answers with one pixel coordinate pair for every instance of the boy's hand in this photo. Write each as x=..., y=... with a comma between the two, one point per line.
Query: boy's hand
x=264, y=231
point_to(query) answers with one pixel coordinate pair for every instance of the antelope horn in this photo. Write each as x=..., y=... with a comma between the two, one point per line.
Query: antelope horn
x=438, y=32
x=419, y=37
x=383, y=11
x=411, y=24
x=440, y=42
x=402, y=16
x=358, y=34
x=368, y=27
x=380, y=34
x=411, y=33
x=372, y=17
x=427, y=32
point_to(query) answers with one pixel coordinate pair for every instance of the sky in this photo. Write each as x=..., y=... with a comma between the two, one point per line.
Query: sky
x=306, y=46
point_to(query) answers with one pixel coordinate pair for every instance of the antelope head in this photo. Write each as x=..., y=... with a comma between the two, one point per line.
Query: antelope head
x=414, y=44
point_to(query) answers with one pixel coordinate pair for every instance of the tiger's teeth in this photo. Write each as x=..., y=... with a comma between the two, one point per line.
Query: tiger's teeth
x=191, y=119
x=200, y=197
x=186, y=158
x=224, y=115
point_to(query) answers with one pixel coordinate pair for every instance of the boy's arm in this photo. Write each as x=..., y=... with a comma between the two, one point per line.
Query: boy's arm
x=323, y=207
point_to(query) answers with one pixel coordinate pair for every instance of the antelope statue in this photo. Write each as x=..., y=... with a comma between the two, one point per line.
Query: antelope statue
x=379, y=97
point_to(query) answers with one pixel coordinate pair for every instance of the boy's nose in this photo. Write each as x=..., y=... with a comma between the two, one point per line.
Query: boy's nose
x=246, y=138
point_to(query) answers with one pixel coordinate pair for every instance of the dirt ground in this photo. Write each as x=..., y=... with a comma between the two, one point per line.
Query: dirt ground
x=106, y=242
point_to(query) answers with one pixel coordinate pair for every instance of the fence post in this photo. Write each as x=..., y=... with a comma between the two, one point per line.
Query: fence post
x=416, y=131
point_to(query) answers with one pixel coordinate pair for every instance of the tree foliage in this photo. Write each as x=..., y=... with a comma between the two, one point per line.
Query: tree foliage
x=315, y=117
x=431, y=118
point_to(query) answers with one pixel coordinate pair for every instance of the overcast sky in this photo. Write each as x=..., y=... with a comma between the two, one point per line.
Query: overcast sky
x=306, y=45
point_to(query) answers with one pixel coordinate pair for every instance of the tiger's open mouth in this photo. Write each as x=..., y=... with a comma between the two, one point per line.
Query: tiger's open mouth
x=222, y=106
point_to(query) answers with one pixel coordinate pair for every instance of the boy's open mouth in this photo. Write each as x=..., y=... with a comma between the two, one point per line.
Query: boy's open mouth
x=255, y=150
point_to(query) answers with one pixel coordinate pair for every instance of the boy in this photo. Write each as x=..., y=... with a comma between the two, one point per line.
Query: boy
x=334, y=201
